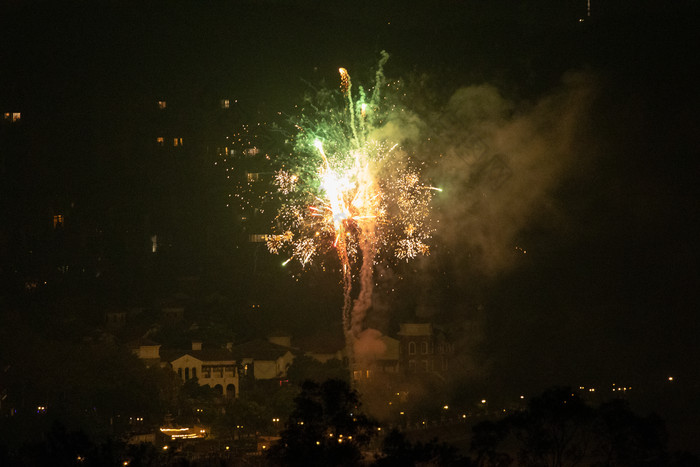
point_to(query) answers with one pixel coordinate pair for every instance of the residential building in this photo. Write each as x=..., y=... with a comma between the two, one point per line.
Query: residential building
x=423, y=349
x=264, y=360
x=213, y=367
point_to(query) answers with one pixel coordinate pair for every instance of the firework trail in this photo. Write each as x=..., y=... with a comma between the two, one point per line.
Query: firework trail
x=346, y=191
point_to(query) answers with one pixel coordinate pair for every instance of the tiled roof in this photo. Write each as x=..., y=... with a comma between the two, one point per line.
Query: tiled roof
x=323, y=343
x=141, y=341
x=261, y=350
x=415, y=329
x=204, y=355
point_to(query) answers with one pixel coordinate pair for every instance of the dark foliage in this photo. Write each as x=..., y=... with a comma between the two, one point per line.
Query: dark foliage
x=559, y=429
x=326, y=428
x=397, y=451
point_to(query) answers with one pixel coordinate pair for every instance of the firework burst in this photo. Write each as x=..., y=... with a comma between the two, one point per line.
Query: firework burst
x=346, y=191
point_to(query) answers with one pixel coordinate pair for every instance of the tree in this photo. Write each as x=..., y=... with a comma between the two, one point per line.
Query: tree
x=555, y=430
x=399, y=452
x=325, y=428
x=626, y=438
x=559, y=429
x=307, y=368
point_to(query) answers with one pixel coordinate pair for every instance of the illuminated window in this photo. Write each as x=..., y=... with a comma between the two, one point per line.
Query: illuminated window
x=16, y=116
x=225, y=103
x=257, y=238
x=7, y=115
x=160, y=141
x=251, y=151
x=411, y=348
x=162, y=105
x=253, y=176
x=177, y=142
x=58, y=221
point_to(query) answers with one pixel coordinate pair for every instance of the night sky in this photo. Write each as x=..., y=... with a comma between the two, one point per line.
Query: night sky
x=579, y=266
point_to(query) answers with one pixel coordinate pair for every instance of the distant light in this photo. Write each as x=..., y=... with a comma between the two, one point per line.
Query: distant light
x=670, y=378
x=445, y=407
x=522, y=397
x=483, y=401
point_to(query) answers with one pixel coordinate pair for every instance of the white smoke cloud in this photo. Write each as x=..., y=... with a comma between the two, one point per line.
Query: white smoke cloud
x=499, y=162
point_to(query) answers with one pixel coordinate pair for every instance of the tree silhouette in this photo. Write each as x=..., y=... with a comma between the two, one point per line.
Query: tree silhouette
x=400, y=452
x=559, y=429
x=326, y=428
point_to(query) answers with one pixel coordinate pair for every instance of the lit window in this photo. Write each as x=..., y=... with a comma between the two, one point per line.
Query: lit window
x=160, y=140
x=177, y=142
x=7, y=115
x=257, y=238
x=253, y=176
x=162, y=105
x=225, y=103
x=16, y=116
x=58, y=221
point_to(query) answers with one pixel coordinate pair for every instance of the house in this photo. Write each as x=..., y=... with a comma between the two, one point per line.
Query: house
x=423, y=349
x=383, y=360
x=324, y=347
x=262, y=359
x=213, y=367
x=146, y=350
